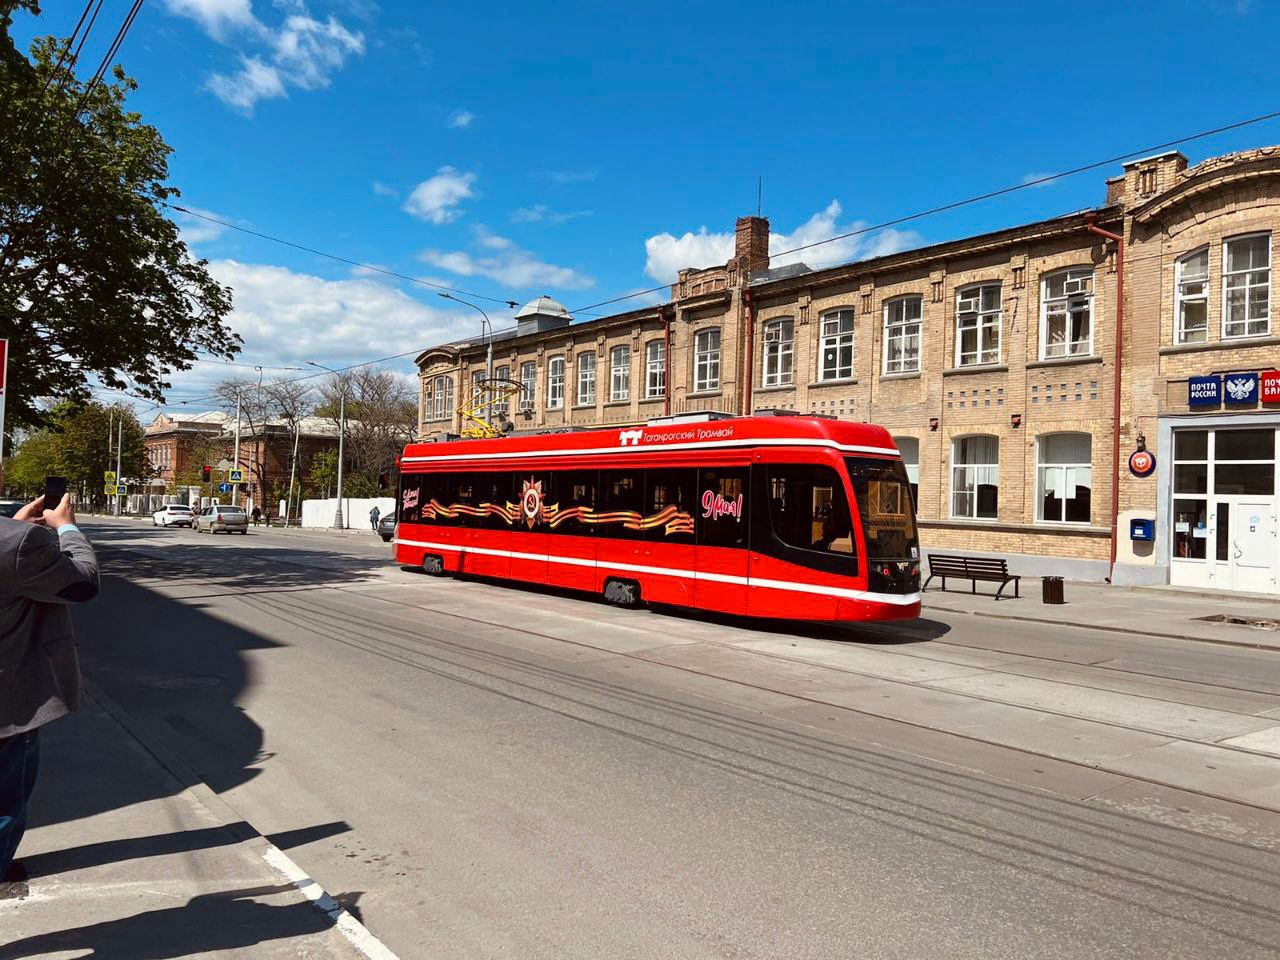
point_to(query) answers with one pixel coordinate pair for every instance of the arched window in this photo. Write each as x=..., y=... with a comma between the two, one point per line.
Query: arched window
x=779, y=351
x=1066, y=314
x=978, y=323
x=1191, y=299
x=902, y=318
x=586, y=378
x=706, y=360
x=528, y=384
x=835, y=350
x=441, y=407
x=909, y=447
x=555, y=383
x=501, y=405
x=1064, y=477
x=975, y=477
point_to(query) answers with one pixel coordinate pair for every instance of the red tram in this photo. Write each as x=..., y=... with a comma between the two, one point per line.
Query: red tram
x=792, y=517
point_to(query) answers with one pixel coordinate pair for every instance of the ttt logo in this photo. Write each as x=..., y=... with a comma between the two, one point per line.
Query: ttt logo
x=629, y=438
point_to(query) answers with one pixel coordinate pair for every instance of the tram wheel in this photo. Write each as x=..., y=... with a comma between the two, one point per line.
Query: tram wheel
x=433, y=565
x=622, y=593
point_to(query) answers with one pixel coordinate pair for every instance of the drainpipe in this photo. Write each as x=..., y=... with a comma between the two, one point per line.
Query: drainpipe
x=666, y=359
x=1092, y=227
x=749, y=377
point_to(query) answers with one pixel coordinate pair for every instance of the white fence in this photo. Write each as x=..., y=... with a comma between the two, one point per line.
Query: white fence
x=355, y=511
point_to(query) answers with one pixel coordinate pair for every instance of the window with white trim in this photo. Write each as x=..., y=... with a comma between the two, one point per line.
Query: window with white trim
x=528, y=384
x=586, y=378
x=1192, y=297
x=902, y=321
x=978, y=322
x=1066, y=314
x=555, y=383
x=620, y=373
x=706, y=360
x=1246, y=286
x=779, y=352
x=975, y=477
x=655, y=369
x=909, y=447
x=835, y=348
x=501, y=402
x=440, y=399
x=1064, y=477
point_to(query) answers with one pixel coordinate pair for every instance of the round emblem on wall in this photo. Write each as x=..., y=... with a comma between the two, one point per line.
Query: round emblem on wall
x=1142, y=463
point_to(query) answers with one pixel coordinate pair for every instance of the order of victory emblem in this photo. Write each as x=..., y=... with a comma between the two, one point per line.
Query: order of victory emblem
x=531, y=501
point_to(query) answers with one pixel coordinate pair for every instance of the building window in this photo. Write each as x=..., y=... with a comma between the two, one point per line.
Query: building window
x=706, y=360
x=1246, y=286
x=1192, y=297
x=779, y=351
x=975, y=477
x=902, y=334
x=655, y=369
x=528, y=384
x=440, y=406
x=1064, y=478
x=477, y=386
x=1066, y=314
x=620, y=373
x=909, y=447
x=555, y=383
x=978, y=325
x=501, y=400
x=586, y=378
x=836, y=347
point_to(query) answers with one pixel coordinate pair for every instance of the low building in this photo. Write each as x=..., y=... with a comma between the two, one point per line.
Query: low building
x=1031, y=429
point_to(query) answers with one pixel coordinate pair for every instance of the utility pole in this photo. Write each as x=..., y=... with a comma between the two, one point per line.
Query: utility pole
x=119, y=447
x=342, y=432
x=293, y=470
x=235, y=487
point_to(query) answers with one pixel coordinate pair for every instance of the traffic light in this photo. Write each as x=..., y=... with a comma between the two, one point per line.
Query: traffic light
x=206, y=473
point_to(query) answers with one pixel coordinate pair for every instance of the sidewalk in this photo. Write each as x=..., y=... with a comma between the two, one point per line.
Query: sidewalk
x=125, y=861
x=1148, y=611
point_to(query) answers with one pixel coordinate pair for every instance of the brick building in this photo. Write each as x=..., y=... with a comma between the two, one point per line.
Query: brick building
x=993, y=361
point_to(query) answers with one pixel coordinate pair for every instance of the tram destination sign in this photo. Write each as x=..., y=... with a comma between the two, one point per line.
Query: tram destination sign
x=1204, y=391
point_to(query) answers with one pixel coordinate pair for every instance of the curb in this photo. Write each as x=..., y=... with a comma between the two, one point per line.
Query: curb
x=1269, y=647
x=355, y=932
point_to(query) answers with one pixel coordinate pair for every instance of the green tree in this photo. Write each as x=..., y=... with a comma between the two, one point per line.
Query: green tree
x=324, y=473
x=35, y=458
x=79, y=444
x=95, y=281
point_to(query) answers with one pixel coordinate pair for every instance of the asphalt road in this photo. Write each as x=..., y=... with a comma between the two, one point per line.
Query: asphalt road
x=507, y=773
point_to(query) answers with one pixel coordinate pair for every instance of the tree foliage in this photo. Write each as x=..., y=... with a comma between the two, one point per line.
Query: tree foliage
x=79, y=444
x=95, y=281
x=382, y=413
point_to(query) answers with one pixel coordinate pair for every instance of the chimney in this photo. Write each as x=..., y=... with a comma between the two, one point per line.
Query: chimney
x=751, y=246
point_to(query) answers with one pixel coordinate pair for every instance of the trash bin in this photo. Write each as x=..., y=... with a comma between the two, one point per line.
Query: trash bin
x=1051, y=590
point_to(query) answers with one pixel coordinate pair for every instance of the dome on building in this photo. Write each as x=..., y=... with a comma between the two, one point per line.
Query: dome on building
x=544, y=307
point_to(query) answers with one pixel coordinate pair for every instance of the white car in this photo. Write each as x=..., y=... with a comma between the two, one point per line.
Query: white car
x=173, y=515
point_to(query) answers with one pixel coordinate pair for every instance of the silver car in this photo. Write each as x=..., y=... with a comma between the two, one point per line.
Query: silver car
x=222, y=518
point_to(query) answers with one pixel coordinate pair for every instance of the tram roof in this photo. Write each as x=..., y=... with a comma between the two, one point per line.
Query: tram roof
x=795, y=431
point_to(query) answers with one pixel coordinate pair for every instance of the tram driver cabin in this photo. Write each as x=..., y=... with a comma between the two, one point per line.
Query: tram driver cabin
x=789, y=517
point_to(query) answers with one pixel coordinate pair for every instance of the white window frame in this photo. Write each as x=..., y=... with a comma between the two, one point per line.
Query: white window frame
x=442, y=398
x=555, y=382
x=957, y=466
x=898, y=327
x=655, y=369
x=528, y=385
x=1248, y=286
x=777, y=358
x=983, y=319
x=706, y=360
x=1061, y=468
x=620, y=374
x=1180, y=297
x=1068, y=304
x=837, y=339
x=501, y=405
x=585, y=395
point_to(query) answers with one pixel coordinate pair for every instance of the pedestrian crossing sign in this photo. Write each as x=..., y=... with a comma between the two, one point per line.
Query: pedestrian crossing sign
x=235, y=476
x=121, y=489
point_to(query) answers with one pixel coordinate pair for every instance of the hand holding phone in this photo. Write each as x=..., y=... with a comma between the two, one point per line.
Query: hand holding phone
x=55, y=488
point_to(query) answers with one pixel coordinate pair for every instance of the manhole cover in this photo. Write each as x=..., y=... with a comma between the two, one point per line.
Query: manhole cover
x=186, y=683
x=1257, y=623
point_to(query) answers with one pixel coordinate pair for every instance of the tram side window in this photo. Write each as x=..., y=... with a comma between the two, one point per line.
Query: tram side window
x=566, y=490
x=493, y=488
x=621, y=491
x=670, y=487
x=411, y=497
x=808, y=509
x=461, y=488
x=722, y=507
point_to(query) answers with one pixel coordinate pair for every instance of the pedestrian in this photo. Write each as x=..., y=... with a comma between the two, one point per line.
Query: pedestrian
x=373, y=517
x=257, y=514
x=48, y=564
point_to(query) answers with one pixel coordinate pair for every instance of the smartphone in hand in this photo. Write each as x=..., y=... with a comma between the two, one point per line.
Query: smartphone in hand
x=55, y=488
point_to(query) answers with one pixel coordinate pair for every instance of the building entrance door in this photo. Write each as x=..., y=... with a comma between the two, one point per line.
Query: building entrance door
x=1252, y=545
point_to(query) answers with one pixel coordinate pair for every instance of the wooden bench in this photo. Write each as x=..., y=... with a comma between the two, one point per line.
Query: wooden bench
x=992, y=570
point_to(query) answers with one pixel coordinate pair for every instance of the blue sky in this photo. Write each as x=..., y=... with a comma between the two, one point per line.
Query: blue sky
x=588, y=150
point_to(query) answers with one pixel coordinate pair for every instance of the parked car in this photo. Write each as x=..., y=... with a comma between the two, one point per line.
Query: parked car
x=387, y=526
x=227, y=519
x=9, y=507
x=173, y=515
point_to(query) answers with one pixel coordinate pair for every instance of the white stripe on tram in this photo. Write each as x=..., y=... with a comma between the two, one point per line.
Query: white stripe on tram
x=660, y=448
x=900, y=600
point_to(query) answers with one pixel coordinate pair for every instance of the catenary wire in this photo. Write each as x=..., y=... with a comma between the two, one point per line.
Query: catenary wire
x=56, y=73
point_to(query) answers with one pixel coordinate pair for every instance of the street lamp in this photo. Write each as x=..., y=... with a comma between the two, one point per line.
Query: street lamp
x=486, y=330
x=342, y=431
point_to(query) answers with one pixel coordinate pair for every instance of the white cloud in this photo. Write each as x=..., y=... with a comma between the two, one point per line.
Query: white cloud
x=510, y=265
x=460, y=119
x=217, y=16
x=541, y=213
x=307, y=51
x=666, y=254
x=382, y=190
x=195, y=230
x=436, y=199
x=1039, y=179
x=254, y=81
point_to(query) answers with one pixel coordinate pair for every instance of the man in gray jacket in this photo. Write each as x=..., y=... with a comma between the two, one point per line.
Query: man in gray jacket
x=46, y=564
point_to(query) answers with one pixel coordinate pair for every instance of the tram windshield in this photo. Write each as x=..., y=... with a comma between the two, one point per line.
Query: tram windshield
x=883, y=493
